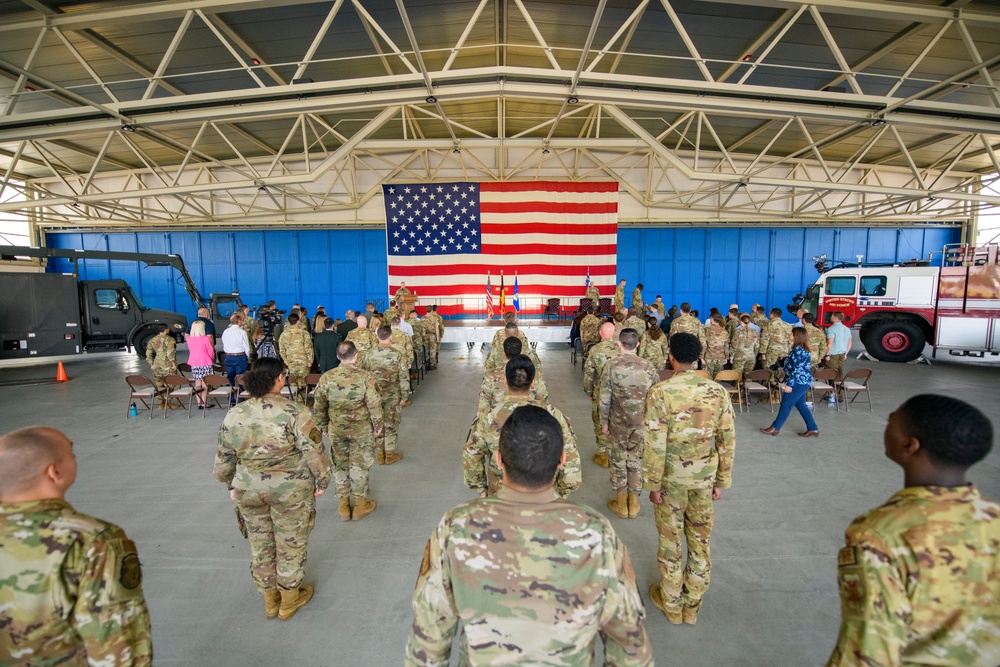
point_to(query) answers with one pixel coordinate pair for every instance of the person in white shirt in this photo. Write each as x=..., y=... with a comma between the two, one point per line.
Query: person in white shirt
x=236, y=347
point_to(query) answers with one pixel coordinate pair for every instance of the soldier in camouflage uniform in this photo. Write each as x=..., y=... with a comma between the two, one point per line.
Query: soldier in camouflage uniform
x=391, y=312
x=71, y=591
x=716, y=345
x=161, y=355
x=590, y=334
x=918, y=577
x=688, y=323
x=732, y=321
x=635, y=321
x=618, y=320
x=401, y=292
x=744, y=345
x=596, y=360
x=348, y=406
x=270, y=455
x=297, y=351
x=402, y=341
x=653, y=345
x=433, y=333
x=249, y=327
x=637, y=302
x=817, y=341
x=684, y=474
x=481, y=471
x=759, y=318
x=620, y=297
x=775, y=342
x=593, y=294
x=362, y=337
x=625, y=381
x=386, y=363
x=528, y=577
x=422, y=333
x=494, y=387
x=496, y=358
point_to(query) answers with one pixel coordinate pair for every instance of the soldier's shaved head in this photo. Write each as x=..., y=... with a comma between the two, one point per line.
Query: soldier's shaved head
x=24, y=456
x=607, y=331
x=531, y=447
x=362, y=321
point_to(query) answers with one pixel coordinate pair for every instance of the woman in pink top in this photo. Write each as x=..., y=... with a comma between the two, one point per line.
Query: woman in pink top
x=201, y=356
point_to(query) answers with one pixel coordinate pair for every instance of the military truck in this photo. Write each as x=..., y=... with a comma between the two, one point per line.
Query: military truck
x=48, y=314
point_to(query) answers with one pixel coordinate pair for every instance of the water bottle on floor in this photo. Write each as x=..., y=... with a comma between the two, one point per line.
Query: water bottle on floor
x=132, y=412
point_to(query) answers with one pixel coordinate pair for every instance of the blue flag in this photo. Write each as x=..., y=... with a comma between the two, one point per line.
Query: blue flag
x=517, y=304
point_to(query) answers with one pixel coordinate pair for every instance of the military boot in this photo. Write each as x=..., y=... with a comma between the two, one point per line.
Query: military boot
x=392, y=457
x=601, y=459
x=292, y=600
x=380, y=456
x=344, y=509
x=619, y=505
x=362, y=508
x=690, y=615
x=656, y=597
x=633, y=505
x=272, y=601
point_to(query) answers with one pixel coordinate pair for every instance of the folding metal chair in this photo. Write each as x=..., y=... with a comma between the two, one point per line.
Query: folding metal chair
x=825, y=380
x=577, y=350
x=141, y=387
x=311, y=381
x=732, y=381
x=178, y=388
x=855, y=382
x=703, y=373
x=758, y=382
x=218, y=388
x=665, y=374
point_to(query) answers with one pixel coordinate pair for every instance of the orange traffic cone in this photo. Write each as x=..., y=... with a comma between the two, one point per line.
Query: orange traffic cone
x=61, y=373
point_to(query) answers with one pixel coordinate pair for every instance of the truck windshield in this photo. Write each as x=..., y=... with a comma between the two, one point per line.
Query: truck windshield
x=811, y=300
x=136, y=302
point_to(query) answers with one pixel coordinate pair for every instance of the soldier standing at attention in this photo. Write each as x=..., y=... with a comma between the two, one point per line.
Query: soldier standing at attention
x=481, y=470
x=637, y=301
x=775, y=341
x=653, y=345
x=590, y=327
x=688, y=323
x=503, y=569
x=496, y=358
x=918, y=578
x=685, y=474
x=817, y=341
x=297, y=350
x=72, y=589
x=620, y=297
x=348, y=406
x=433, y=341
x=744, y=345
x=596, y=360
x=494, y=387
x=593, y=294
x=361, y=336
x=270, y=455
x=635, y=321
x=625, y=381
x=758, y=318
x=161, y=355
x=249, y=326
x=390, y=312
x=402, y=341
x=392, y=380
x=423, y=332
x=716, y=345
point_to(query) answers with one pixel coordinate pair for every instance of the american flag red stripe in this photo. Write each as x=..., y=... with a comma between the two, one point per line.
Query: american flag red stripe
x=546, y=232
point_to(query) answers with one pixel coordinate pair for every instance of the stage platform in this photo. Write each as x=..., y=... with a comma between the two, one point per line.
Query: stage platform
x=481, y=332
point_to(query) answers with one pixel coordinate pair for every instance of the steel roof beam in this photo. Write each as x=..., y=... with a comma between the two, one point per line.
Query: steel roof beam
x=900, y=11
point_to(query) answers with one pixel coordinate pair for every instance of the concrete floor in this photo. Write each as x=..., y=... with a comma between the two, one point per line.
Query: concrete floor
x=773, y=597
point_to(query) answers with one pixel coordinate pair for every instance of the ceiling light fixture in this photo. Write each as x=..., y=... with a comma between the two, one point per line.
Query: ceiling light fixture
x=546, y=151
x=878, y=121
x=573, y=99
x=431, y=99
x=128, y=128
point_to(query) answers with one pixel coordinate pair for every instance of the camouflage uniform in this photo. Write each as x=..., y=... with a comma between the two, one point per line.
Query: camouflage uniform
x=496, y=357
x=250, y=327
x=744, y=345
x=433, y=332
x=625, y=381
x=402, y=343
x=71, y=591
x=363, y=338
x=682, y=416
x=637, y=323
x=530, y=579
x=619, y=298
x=817, y=346
x=760, y=320
x=390, y=313
x=297, y=352
x=161, y=355
x=654, y=350
x=689, y=324
x=419, y=339
x=775, y=343
x=270, y=453
x=596, y=360
x=594, y=295
x=400, y=293
x=637, y=301
x=660, y=308
x=480, y=467
x=716, y=349
x=494, y=390
x=348, y=406
x=590, y=330
x=918, y=581
x=392, y=380
x=731, y=324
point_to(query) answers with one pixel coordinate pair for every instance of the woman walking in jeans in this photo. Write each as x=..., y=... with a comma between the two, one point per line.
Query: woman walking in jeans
x=798, y=380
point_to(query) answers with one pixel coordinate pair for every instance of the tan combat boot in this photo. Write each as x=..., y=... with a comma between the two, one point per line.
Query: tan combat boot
x=380, y=456
x=344, y=509
x=392, y=457
x=272, y=601
x=690, y=615
x=362, y=507
x=601, y=459
x=292, y=601
x=633, y=505
x=656, y=597
x=619, y=505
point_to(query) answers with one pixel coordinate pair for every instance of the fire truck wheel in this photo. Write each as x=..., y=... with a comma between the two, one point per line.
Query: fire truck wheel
x=895, y=340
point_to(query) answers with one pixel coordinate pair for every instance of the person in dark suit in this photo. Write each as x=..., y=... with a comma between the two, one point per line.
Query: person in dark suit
x=348, y=324
x=325, y=347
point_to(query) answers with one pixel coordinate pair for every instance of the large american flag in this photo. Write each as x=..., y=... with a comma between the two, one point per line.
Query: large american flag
x=443, y=239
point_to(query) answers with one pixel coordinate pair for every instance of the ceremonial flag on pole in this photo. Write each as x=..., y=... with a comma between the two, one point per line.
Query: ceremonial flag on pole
x=440, y=237
x=587, y=284
x=517, y=303
x=503, y=294
x=489, y=298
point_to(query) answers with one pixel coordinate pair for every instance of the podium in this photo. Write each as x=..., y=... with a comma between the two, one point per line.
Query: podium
x=408, y=302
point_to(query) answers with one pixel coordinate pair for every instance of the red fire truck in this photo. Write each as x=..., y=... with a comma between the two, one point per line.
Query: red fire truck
x=901, y=307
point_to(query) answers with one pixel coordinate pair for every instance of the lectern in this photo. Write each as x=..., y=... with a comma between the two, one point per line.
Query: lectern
x=409, y=301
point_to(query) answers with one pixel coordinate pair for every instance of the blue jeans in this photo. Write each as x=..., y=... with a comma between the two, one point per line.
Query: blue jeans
x=235, y=366
x=797, y=398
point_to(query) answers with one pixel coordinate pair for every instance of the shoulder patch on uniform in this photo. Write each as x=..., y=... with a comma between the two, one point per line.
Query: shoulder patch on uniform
x=847, y=557
x=130, y=572
x=425, y=564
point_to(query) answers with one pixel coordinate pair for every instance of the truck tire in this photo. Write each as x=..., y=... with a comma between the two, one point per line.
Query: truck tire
x=141, y=341
x=895, y=340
